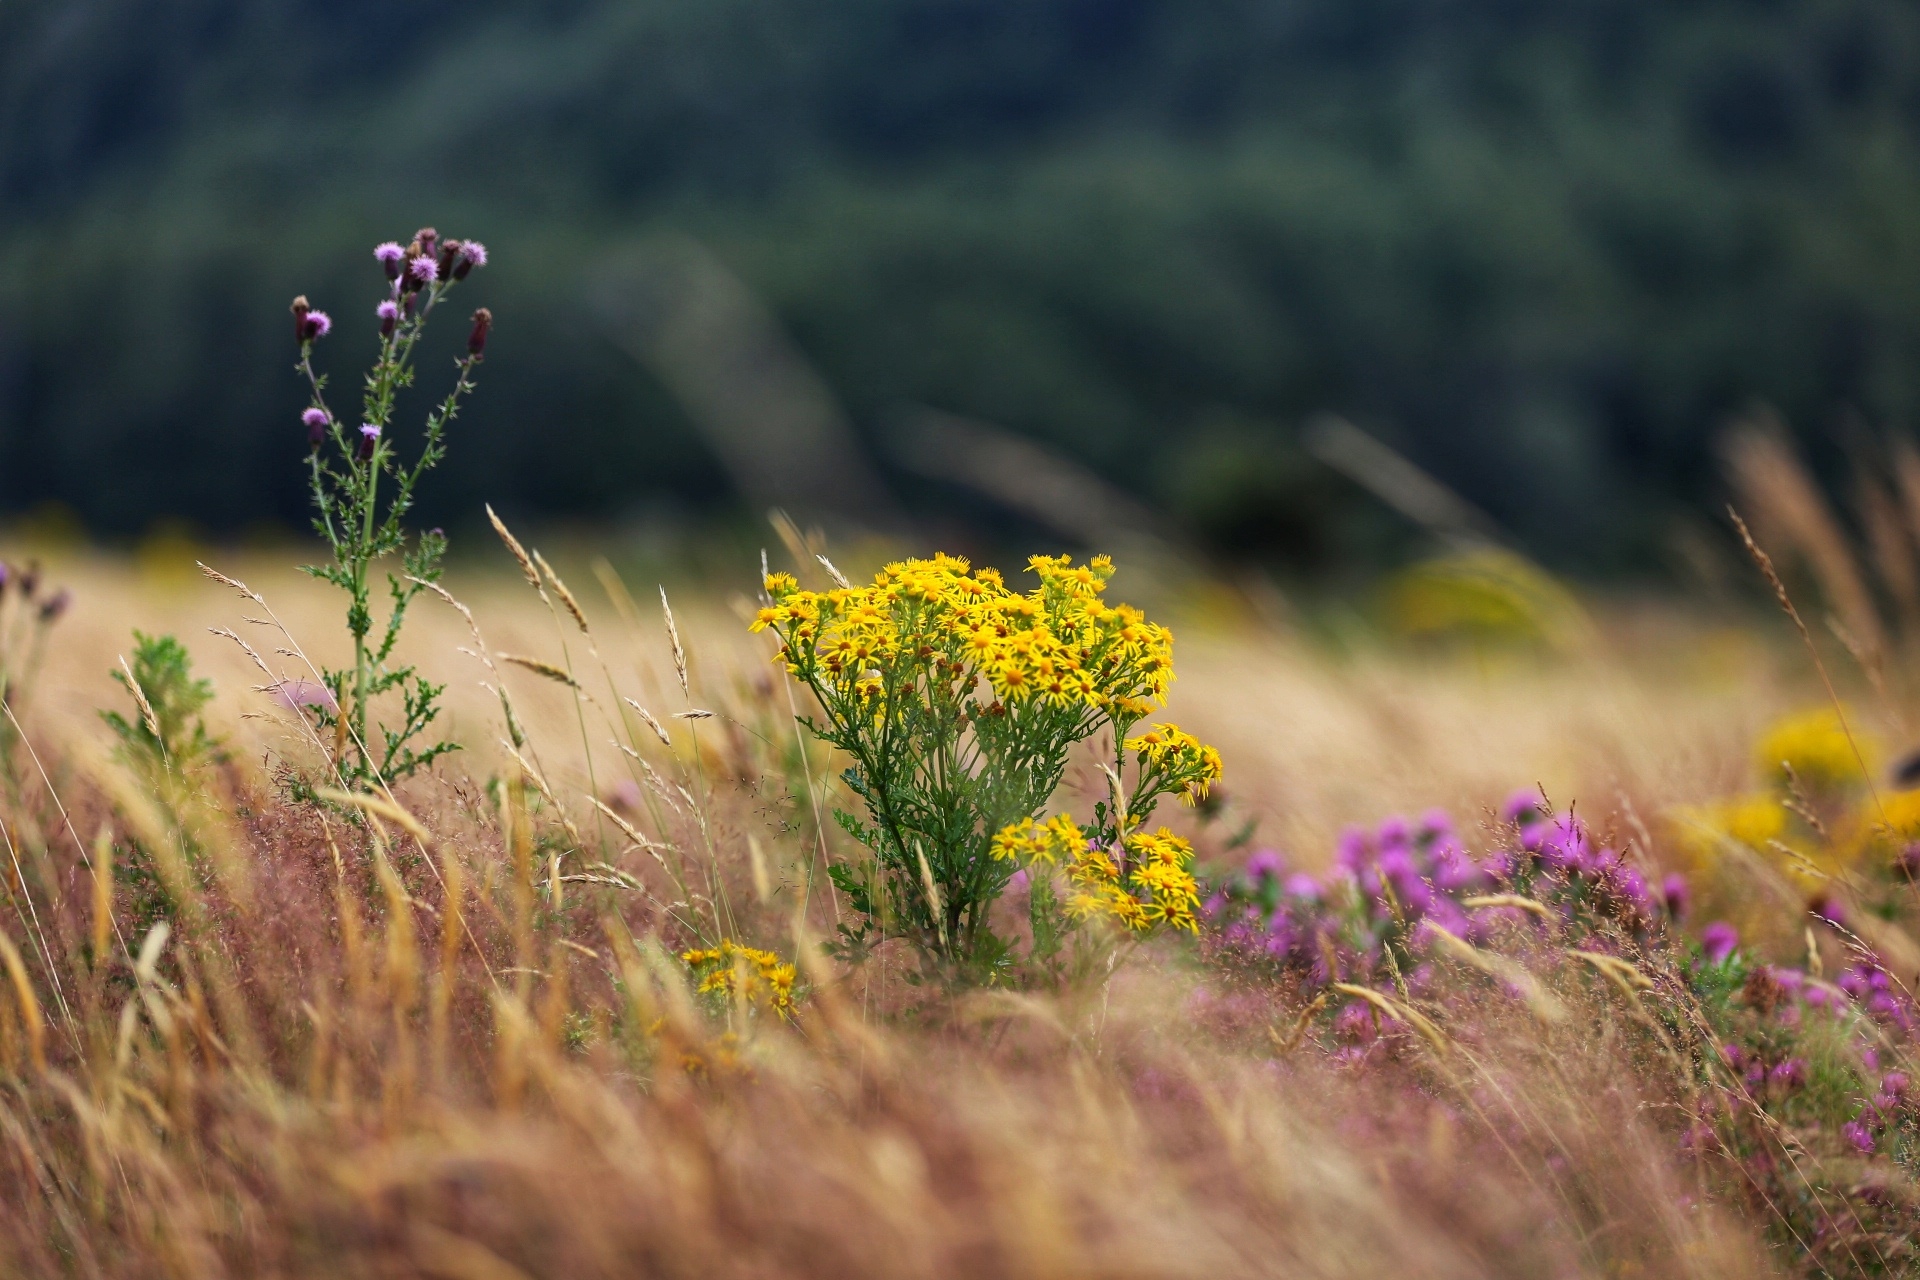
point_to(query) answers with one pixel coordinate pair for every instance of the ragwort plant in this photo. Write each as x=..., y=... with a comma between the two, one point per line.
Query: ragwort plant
x=958, y=702
x=362, y=526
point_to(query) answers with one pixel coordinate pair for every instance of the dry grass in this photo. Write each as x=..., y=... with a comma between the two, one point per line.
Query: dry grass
x=366, y=1048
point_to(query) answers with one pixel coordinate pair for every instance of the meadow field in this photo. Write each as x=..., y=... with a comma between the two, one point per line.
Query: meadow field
x=470, y=1025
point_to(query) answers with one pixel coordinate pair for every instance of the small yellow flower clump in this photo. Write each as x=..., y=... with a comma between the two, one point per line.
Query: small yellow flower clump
x=729, y=967
x=1187, y=764
x=1058, y=646
x=1157, y=888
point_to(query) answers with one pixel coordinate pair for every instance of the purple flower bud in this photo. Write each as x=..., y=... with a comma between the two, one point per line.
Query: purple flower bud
x=56, y=605
x=1522, y=808
x=369, y=434
x=1718, y=940
x=477, y=340
x=391, y=256
x=472, y=254
x=1790, y=1074
x=1676, y=895
x=1906, y=863
x=1303, y=886
x=427, y=241
x=389, y=313
x=6, y=572
x=316, y=420
x=1351, y=850
x=423, y=271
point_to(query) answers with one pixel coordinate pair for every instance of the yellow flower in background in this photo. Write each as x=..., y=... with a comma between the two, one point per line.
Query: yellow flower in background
x=1816, y=746
x=729, y=967
x=1486, y=595
x=1880, y=832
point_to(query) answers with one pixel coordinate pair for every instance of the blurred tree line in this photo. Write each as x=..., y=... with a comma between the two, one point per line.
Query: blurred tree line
x=1544, y=247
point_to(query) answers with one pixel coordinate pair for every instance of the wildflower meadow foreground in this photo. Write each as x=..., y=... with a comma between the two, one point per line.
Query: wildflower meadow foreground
x=382, y=922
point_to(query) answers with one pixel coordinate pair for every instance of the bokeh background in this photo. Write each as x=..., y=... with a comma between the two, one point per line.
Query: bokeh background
x=968, y=266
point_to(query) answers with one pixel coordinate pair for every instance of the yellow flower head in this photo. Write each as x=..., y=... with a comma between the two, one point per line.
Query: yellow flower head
x=1816, y=746
x=1189, y=765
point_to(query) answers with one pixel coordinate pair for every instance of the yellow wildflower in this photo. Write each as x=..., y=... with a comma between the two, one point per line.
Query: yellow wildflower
x=758, y=974
x=1816, y=746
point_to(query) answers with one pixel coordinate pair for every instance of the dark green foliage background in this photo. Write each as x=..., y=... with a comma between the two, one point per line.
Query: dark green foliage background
x=1546, y=246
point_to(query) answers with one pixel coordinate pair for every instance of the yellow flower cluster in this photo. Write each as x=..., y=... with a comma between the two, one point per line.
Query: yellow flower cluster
x=1816, y=746
x=729, y=967
x=1158, y=887
x=1058, y=645
x=1187, y=764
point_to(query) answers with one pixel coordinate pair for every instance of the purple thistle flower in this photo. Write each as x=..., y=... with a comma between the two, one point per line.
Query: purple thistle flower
x=423, y=271
x=369, y=434
x=1790, y=1074
x=1859, y=1135
x=318, y=325
x=316, y=421
x=1719, y=940
x=389, y=313
x=1894, y=1085
x=391, y=256
x=472, y=254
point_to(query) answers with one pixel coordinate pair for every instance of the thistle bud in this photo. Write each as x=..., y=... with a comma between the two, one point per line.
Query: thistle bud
x=369, y=434
x=30, y=579
x=56, y=605
x=477, y=340
x=449, y=254
x=472, y=254
x=428, y=239
x=406, y=304
x=392, y=257
x=309, y=324
x=389, y=313
x=316, y=420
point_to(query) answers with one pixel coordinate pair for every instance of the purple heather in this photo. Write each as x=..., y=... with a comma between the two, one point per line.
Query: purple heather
x=1718, y=940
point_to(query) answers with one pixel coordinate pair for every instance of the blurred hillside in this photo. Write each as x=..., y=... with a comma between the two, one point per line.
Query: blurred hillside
x=1544, y=248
